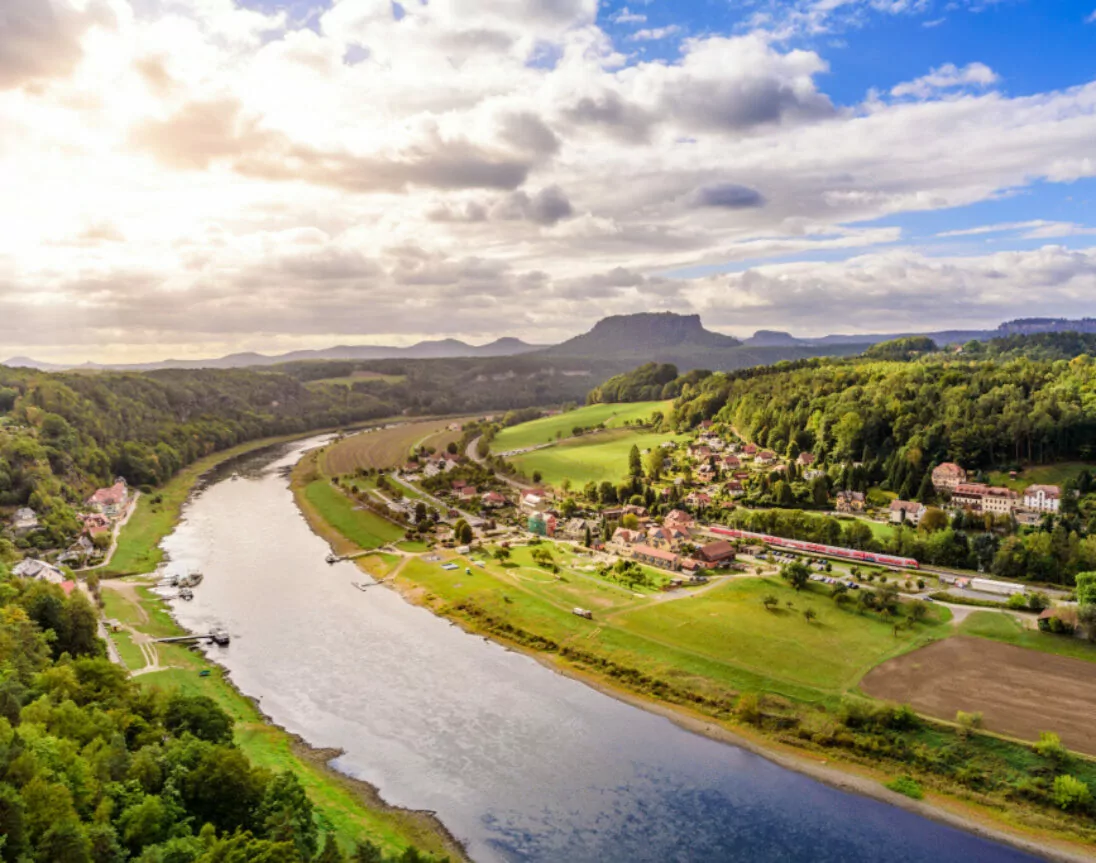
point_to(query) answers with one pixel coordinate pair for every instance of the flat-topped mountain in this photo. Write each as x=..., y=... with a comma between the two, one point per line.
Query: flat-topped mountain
x=647, y=334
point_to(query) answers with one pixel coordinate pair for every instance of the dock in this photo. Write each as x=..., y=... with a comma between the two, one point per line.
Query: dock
x=217, y=636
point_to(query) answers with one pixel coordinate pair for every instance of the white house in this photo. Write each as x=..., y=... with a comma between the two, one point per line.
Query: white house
x=906, y=511
x=24, y=521
x=1043, y=498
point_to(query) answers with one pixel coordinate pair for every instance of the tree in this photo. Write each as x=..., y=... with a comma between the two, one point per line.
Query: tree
x=809, y=614
x=770, y=602
x=635, y=462
x=820, y=491
x=653, y=463
x=199, y=715
x=285, y=814
x=796, y=574
x=1071, y=793
x=537, y=476
x=1050, y=747
x=331, y=852
x=502, y=553
x=1086, y=588
x=464, y=535
x=926, y=494
x=588, y=539
x=367, y=852
x=933, y=520
x=420, y=512
x=918, y=610
x=630, y=521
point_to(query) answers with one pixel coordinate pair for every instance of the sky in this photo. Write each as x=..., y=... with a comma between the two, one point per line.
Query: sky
x=189, y=178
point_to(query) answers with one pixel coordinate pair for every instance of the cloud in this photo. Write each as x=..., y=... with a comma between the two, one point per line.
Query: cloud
x=727, y=196
x=1091, y=19
x=546, y=207
x=627, y=16
x=1035, y=229
x=947, y=77
x=41, y=39
x=610, y=112
x=655, y=33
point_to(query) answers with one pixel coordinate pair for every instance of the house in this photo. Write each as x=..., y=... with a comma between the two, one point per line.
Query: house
x=659, y=537
x=112, y=501
x=1062, y=618
x=705, y=424
x=575, y=529
x=806, y=459
x=542, y=524
x=946, y=476
x=734, y=488
x=705, y=473
x=700, y=453
x=532, y=502
x=979, y=497
x=750, y=450
x=698, y=499
x=716, y=553
x=656, y=557
x=492, y=499
x=1041, y=498
x=766, y=457
x=623, y=539
x=680, y=519
x=24, y=521
x=906, y=512
x=95, y=524
x=31, y=568
x=731, y=462
x=81, y=550
x=812, y=474
x=851, y=501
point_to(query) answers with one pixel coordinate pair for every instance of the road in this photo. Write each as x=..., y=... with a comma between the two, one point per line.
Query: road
x=118, y=525
x=474, y=456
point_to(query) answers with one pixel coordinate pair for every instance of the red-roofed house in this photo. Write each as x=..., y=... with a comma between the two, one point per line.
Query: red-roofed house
x=656, y=557
x=715, y=553
x=110, y=501
x=806, y=459
x=946, y=476
x=493, y=499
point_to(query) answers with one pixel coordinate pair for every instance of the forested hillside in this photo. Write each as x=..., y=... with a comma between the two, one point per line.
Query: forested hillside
x=96, y=769
x=979, y=411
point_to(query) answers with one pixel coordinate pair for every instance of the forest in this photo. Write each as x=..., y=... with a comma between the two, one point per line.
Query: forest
x=95, y=768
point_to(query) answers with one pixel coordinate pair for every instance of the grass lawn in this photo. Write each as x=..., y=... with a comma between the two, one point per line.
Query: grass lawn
x=364, y=528
x=547, y=429
x=339, y=808
x=1005, y=627
x=714, y=641
x=1045, y=474
x=131, y=654
x=598, y=457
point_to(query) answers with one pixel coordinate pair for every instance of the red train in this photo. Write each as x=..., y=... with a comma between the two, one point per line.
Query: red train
x=816, y=548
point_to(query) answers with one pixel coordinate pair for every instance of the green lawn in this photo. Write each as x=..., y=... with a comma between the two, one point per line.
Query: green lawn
x=598, y=457
x=549, y=429
x=1047, y=474
x=1005, y=627
x=730, y=624
x=357, y=378
x=131, y=654
x=362, y=527
x=715, y=641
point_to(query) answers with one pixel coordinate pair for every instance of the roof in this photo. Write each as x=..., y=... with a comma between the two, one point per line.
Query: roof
x=949, y=467
x=907, y=505
x=716, y=550
x=806, y=458
x=1065, y=613
x=494, y=497
x=1048, y=490
x=112, y=496
x=655, y=553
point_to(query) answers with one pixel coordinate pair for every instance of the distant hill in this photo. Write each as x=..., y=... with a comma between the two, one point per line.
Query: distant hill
x=645, y=334
x=442, y=349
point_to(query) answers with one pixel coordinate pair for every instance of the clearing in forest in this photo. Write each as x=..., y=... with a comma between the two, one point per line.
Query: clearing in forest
x=548, y=429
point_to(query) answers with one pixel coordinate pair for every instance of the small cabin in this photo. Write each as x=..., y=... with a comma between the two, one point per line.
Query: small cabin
x=583, y=612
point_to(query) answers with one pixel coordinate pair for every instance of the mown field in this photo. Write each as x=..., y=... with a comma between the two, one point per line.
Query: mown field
x=591, y=458
x=1047, y=474
x=387, y=448
x=1006, y=628
x=362, y=527
x=357, y=378
x=549, y=429
x=710, y=640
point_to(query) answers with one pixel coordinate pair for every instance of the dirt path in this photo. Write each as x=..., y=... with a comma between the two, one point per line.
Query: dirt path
x=118, y=525
x=1019, y=692
x=128, y=590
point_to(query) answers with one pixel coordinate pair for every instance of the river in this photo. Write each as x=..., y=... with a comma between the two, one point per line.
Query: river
x=520, y=763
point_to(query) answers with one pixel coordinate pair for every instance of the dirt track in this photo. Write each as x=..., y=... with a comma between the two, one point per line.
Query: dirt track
x=1019, y=692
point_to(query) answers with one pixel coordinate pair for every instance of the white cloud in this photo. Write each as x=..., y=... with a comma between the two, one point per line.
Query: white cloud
x=1091, y=19
x=199, y=176
x=655, y=33
x=627, y=16
x=1035, y=229
x=947, y=77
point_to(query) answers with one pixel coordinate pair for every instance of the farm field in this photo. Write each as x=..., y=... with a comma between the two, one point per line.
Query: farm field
x=731, y=624
x=1045, y=474
x=386, y=448
x=548, y=429
x=357, y=378
x=593, y=458
x=1020, y=692
x=1006, y=628
x=712, y=640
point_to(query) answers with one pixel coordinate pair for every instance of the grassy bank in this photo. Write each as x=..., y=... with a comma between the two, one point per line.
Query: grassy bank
x=590, y=458
x=1006, y=628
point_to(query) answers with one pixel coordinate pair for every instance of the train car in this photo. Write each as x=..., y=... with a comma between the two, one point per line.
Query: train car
x=818, y=548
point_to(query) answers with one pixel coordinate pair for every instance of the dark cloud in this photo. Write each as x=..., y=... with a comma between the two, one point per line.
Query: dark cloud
x=546, y=207
x=728, y=196
x=738, y=105
x=40, y=39
x=614, y=115
x=527, y=132
x=203, y=133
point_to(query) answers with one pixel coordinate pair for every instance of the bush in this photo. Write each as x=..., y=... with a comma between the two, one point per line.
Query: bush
x=1050, y=747
x=968, y=722
x=907, y=785
x=749, y=708
x=1070, y=793
x=1017, y=602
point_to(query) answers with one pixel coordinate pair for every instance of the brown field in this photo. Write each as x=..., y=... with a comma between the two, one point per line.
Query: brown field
x=387, y=448
x=1019, y=692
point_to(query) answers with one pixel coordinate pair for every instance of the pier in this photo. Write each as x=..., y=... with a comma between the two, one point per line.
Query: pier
x=217, y=636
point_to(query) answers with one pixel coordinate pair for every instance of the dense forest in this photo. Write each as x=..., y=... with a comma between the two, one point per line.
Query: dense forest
x=995, y=407
x=97, y=769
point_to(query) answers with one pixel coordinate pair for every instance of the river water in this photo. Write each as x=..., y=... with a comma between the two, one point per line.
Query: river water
x=520, y=763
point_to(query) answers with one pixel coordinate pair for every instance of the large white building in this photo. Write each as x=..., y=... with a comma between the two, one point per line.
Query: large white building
x=1043, y=498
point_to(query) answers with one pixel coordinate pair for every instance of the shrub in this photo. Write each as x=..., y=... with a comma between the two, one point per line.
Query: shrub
x=968, y=722
x=1050, y=747
x=907, y=785
x=749, y=708
x=1071, y=793
x=1017, y=601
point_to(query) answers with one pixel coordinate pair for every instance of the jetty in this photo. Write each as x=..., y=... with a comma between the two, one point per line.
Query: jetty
x=335, y=558
x=217, y=636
